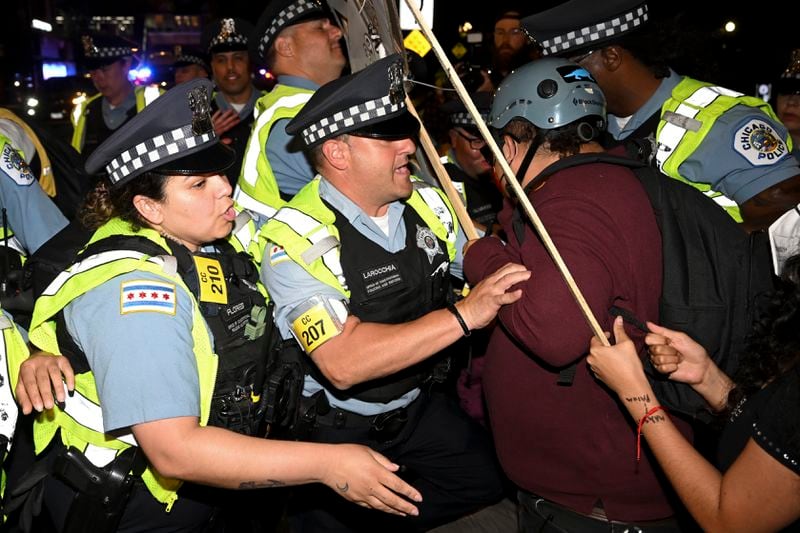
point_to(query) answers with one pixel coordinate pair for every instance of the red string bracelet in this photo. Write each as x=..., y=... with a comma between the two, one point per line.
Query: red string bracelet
x=647, y=415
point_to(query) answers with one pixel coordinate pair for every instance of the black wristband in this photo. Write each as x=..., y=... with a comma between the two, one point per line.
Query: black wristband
x=452, y=309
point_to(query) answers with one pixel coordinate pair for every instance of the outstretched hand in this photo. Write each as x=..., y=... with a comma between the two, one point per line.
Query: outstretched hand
x=676, y=354
x=41, y=377
x=487, y=297
x=223, y=121
x=365, y=477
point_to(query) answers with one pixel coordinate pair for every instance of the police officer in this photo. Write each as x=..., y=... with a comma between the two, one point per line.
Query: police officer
x=467, y=165
x=108, y=60
x=190, y=64
x=300, y=45
x=28, y=218
x=169, y=389
x=358, y=265
x=225, y=41
x=728, y=145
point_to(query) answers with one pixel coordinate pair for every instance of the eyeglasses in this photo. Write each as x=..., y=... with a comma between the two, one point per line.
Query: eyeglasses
x=581, y=57
x=513, y=32
x=476, y=143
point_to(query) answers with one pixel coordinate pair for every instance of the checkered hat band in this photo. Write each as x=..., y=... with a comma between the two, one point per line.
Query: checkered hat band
x=110, y=51
x=191, y=59
x=465, y=119
x=285, y=17
x=235, y=38
x=146, y=153
x=352, y=116
x=618, y=25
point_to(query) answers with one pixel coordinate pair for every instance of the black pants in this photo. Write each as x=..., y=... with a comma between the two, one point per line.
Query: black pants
x=537, y=515
x=446, y=456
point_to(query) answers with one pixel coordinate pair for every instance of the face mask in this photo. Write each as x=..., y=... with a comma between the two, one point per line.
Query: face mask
x=784, y=238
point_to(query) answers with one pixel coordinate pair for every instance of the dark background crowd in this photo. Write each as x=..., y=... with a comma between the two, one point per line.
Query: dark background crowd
x=753, y=54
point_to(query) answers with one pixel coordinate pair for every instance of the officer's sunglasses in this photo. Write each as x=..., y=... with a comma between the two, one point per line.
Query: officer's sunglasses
x=475, y=143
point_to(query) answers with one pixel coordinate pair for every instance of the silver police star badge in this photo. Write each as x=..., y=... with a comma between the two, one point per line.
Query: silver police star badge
x=428, y=242
x=227, y=29
x=201, y=111
x=397, y=92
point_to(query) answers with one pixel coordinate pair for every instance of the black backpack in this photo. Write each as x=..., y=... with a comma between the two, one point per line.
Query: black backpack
x=714, y=272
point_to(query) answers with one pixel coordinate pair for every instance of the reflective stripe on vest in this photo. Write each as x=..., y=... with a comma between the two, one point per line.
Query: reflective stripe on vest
x=13, y=350
x=686, y=118
x=11, y=241
x=257, y=188
x=79, y=120
x=316, y=233
x=80, y=420
x=144, y=97
x=148, y=96
x=298, y=232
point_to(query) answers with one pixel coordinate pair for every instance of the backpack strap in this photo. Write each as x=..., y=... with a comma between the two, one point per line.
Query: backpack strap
x=567, y=375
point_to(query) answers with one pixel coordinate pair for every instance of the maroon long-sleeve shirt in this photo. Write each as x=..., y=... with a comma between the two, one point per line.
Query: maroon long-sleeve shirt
x=574, y=445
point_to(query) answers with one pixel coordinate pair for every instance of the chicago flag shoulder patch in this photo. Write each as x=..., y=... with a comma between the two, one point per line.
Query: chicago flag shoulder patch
x=147, y=295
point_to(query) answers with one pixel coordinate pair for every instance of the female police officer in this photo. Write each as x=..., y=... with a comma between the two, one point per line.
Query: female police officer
x=164, y=323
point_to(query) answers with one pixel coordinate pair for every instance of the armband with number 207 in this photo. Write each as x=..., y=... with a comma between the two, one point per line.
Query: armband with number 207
x=316, y=321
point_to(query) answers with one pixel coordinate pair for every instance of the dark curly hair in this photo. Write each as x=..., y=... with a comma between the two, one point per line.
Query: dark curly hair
x=773, y=346
x=105, y=202
x=565, y=140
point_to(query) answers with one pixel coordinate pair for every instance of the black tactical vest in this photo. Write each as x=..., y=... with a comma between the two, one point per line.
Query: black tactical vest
x=241, y=326
x=95, y=130
x=393, y=288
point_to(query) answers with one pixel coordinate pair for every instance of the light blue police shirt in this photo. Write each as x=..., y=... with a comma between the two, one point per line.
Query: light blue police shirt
x=114, y=118
x=31, y=215
x=143, y=362
x=289, y=285
x=716, y=161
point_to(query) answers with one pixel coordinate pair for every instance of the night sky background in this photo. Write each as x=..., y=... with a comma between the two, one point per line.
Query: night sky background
x=757, y=52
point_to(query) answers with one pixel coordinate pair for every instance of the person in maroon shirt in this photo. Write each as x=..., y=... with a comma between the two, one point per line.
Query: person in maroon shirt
x=564, y=439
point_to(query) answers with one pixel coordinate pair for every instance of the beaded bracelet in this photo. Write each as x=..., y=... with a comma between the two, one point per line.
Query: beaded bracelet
x=647, y=415
x=452, y=309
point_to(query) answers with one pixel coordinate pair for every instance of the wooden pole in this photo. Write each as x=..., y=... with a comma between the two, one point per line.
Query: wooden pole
x=444, y=178
x=510, y=177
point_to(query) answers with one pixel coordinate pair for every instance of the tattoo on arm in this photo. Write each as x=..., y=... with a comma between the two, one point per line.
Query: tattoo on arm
x=261, y=484
x=343, y=488
x=642, y=398
x=655, y=419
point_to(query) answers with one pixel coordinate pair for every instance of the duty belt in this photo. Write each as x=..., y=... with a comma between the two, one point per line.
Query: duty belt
x=381, y=428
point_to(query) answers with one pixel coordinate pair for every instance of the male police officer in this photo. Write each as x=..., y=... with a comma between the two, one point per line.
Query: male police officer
x=358, y=266
x=108, y=59
x=234, y=99
x=190, y=64
x=724, y=143
x=466, y=165
x=296, y=40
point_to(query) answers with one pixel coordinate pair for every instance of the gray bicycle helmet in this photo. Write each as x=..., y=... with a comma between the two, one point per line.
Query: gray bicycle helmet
x=550, y=93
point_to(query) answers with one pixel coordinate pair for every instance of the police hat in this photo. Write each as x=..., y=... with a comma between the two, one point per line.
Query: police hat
x=173, y=135
x=579, y=25
x=226, y=35
x=280, y=14
x=369, y=103
x=457, y=112
x=191, y=56
x=789, y=82
x=100, y=50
